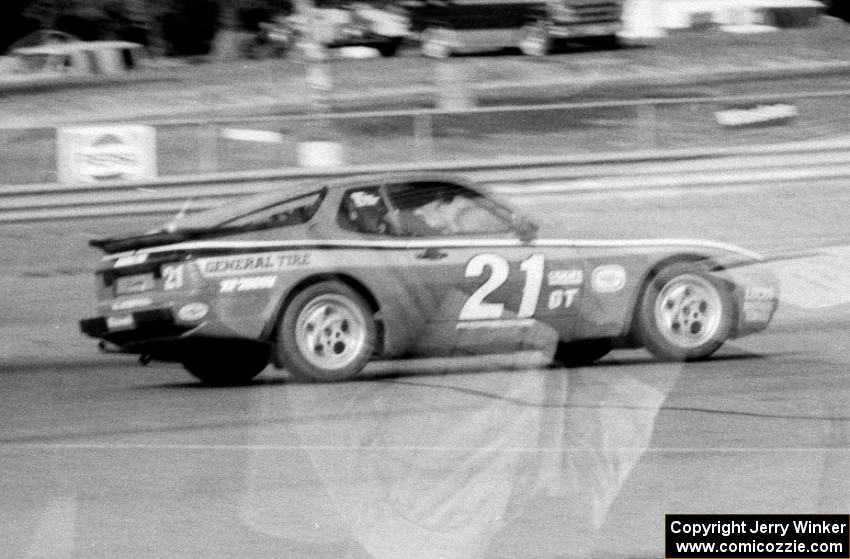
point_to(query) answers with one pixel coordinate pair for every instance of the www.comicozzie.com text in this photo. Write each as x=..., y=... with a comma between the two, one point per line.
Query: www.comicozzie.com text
x=726, y=528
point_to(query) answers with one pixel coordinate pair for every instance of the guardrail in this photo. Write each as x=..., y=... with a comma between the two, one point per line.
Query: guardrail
x=636, y=170
x=190, y=147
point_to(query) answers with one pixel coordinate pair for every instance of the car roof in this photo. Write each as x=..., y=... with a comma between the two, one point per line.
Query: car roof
x=288, y=191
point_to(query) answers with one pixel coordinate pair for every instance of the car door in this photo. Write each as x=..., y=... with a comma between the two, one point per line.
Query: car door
x=478, y=282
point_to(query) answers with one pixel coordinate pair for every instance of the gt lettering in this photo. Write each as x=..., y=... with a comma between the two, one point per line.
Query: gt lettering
x=173, y=277
x=476, y=309
x=562, y=298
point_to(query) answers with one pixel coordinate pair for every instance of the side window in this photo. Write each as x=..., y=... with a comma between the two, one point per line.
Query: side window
x=364, y=211
x=295, y=211
x=440, y=209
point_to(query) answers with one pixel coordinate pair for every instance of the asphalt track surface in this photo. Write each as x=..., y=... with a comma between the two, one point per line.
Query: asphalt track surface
x=482, y=457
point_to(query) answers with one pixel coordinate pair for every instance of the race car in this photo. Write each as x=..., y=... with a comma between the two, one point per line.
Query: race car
x=321, y=278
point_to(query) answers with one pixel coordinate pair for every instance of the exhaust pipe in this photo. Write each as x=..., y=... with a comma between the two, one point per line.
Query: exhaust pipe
x=106, y=347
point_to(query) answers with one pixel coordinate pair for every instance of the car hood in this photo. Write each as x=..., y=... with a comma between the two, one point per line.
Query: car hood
x=724, y=254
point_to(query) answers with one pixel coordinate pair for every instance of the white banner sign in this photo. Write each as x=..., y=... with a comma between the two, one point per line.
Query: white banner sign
x=92, y=154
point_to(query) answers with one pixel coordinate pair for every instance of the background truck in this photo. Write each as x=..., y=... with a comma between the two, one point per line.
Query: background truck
x=448, y=26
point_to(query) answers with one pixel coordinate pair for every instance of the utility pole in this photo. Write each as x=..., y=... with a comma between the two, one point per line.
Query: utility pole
x=321, y=150
x=313, y=56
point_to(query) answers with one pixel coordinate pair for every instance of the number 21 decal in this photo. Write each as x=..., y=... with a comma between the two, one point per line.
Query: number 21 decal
x=172, y=277
x=476, y=309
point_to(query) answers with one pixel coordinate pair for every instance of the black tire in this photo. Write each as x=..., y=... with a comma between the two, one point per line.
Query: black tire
x=344, y=338
x=226, y=364
x=582, y=354
x=389, y=48
x=606, y=42
x=684, y=314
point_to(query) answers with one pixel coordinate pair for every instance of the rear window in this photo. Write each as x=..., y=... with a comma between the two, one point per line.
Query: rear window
x=295, y=211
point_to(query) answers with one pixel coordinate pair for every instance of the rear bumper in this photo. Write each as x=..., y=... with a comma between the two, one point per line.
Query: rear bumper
x=146, y=326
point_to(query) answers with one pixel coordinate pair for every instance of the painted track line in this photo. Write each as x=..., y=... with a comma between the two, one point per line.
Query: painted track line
x=407, y=448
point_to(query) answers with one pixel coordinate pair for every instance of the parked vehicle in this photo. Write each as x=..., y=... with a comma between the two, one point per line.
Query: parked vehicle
x=57, y=63
x=43, y=37
x=80, y=57
x=448, y=26
x=273, y=39
x=344, y=24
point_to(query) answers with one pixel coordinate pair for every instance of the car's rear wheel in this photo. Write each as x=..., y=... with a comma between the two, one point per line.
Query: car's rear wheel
x=389, y=48
x=226, y=364
x=685, y=313
x=326, y=333
x=581, y=354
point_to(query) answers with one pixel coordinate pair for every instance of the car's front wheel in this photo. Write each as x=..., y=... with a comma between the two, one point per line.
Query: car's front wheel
x=327, y=333
x=581, y=354
x=685, y=313
x=389, y=48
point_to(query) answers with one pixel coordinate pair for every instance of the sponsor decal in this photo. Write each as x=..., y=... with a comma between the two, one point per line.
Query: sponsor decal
x=737, y=117
x=608, y=278
x=260, y=262
x=131, y=260
x=759, y=303
x=119, y=322
x=760, y=293
x=192, y=312
x=130, y=304
x=757, y=311
x=565, y=278
x=231, y=285
x=562, y=298
x=135, y=283
x=90, y=154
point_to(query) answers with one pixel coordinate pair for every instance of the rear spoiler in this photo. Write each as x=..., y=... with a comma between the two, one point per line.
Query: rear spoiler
x=111, y=245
